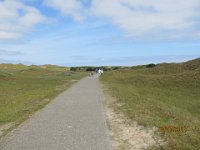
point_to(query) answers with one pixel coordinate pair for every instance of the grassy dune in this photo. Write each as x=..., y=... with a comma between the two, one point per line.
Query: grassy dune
x=166, y=96
x=25, y=89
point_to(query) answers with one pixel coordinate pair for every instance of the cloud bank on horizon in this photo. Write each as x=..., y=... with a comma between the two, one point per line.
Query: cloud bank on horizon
x=134, y=21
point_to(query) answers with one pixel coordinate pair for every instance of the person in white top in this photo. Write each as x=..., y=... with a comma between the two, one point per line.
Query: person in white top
x=101, y=71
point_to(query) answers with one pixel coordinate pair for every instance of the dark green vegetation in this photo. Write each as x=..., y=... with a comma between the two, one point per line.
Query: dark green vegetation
x=93, y=68
x=166, y=96
x=25, y=89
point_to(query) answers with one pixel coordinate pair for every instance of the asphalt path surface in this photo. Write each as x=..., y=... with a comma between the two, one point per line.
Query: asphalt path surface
x=74, y=120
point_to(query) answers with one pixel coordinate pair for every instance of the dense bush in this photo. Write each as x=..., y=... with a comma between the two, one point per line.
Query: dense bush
x=150, y=65
x=90, y=69
x=93, y=68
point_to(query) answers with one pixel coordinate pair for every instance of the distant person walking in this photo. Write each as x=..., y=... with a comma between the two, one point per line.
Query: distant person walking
x=96, y=70
x=100, y=71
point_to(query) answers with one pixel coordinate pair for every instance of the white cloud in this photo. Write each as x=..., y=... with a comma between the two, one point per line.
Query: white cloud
x=140, y=19
x=72, y=8
x=8, y=53
x=17, y=18
x=167, y=19
x=151, y=19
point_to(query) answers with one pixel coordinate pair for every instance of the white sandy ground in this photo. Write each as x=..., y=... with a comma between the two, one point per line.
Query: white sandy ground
x=5, y=127
x=126, y=134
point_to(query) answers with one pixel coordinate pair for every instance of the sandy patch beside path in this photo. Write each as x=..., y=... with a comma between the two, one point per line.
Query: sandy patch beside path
x=5, y=127
x=126, y=134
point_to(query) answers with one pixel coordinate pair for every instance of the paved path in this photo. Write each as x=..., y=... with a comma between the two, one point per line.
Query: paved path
x=74, y=120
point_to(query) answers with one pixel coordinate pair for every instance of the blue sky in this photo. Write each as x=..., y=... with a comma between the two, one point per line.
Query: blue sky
x=99, y=32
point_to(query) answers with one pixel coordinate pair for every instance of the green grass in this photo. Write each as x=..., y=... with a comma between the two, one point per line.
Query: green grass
x=25, y=89
x=166, y=95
